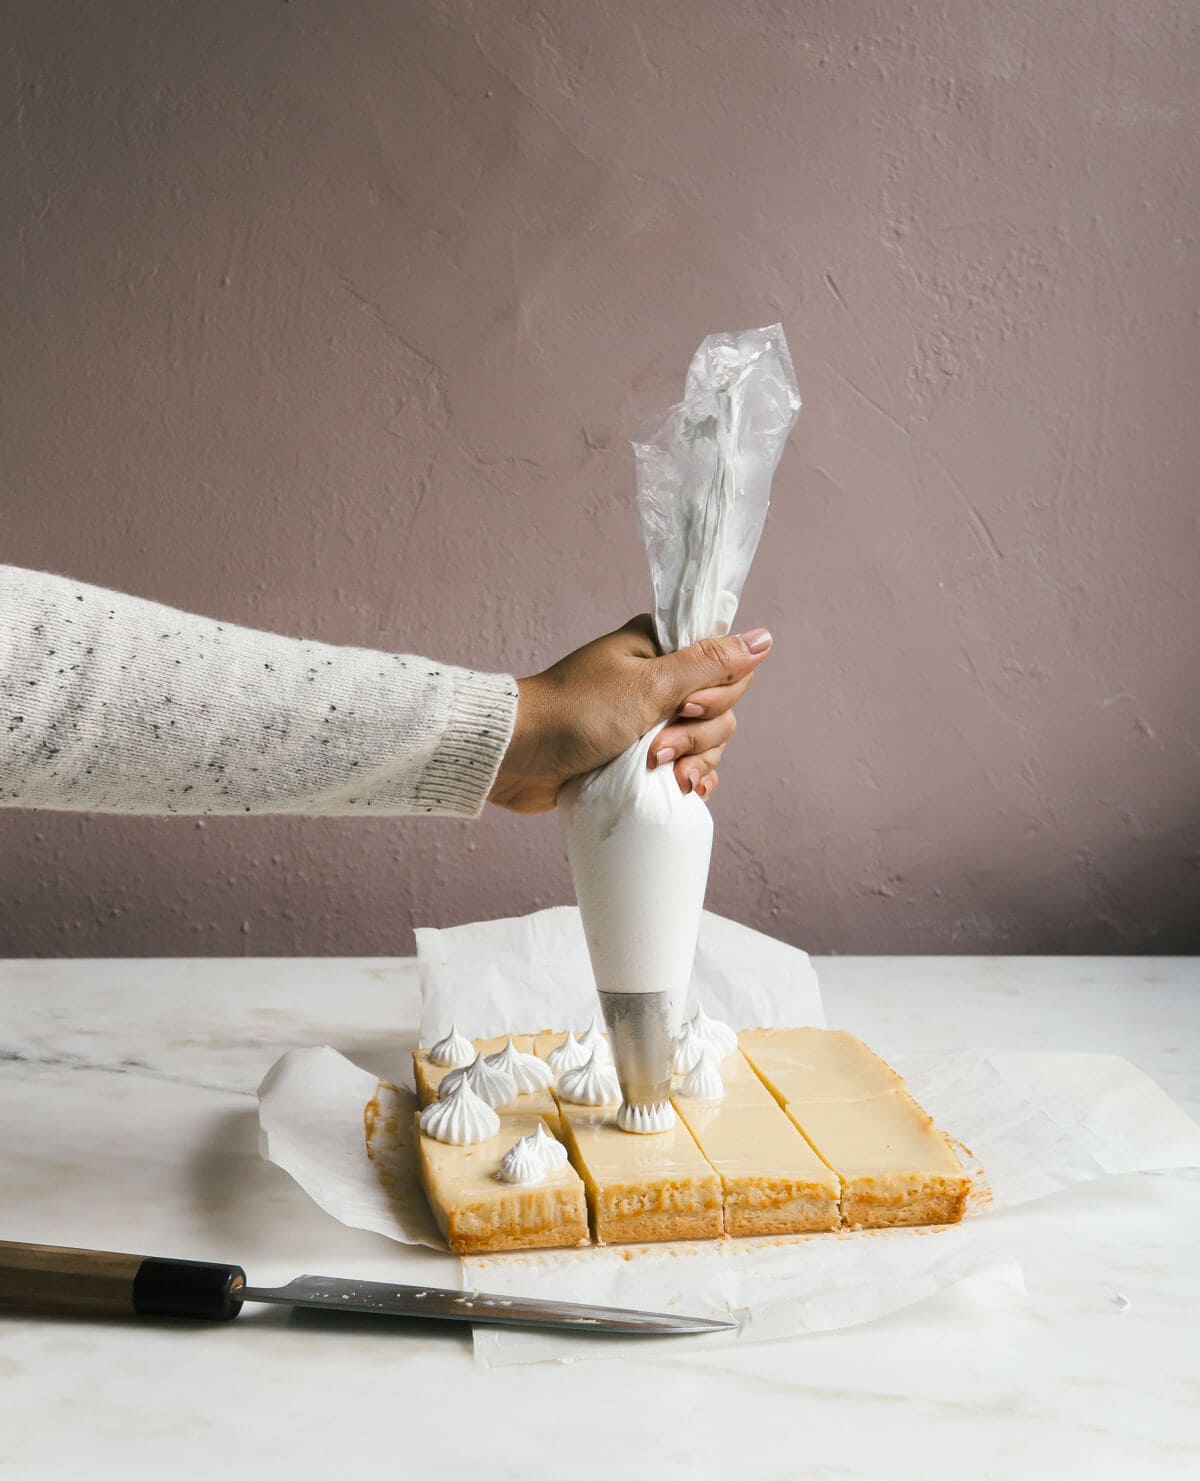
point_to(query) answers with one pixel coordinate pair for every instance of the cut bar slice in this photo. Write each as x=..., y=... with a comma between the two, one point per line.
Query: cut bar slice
x=895, y=1166
x=813, y=1064
x=641, y=1187
x=772, y=1180
x=478, y=1213
x=535, y=1103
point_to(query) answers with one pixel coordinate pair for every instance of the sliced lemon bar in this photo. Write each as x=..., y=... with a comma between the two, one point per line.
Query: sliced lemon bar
x=813, y=1064
x=771, y=1179
x=478, y=1213
x=641, y=1188
x=896, y=1168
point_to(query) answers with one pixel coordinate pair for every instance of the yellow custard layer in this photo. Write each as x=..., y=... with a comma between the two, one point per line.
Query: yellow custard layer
x=811, y=1064
x=477, y=1212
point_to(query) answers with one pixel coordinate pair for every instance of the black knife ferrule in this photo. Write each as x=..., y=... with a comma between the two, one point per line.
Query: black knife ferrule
x=192, y=1288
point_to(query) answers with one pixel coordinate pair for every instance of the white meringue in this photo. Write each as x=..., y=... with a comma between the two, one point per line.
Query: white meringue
x=592, y=1041
x=460, y=1118
x=569, y=1055
x=527, y=1072
x=688, y=1049
x=551, y=1148
x=646, y=1120
x=491, y=1085
x=713, y=1031
x=703, y=1081
x=524, y=1162
x=591, y=1084
x=452, y=1051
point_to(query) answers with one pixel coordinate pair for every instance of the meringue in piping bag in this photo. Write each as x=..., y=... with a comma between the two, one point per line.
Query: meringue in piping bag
x=638, y=847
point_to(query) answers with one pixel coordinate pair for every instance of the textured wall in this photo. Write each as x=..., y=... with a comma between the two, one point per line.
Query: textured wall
x=334, y=318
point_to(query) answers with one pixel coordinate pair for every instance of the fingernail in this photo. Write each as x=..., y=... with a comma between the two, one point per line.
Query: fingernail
x=694, y=778
x=758, y=639
x=667, y=754
x=691, y=711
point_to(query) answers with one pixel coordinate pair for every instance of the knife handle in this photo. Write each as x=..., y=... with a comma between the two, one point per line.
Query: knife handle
x=47, y=1277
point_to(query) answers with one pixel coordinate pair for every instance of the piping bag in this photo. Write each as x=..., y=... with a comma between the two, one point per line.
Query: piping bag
x=638, y=847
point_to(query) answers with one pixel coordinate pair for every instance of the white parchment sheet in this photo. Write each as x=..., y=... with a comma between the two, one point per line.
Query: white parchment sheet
x=1027, y=1125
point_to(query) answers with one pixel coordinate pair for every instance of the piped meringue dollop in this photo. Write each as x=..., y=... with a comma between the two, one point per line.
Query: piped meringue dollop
x=452, y=1051
x=569, y=1055
x=551, y=1148
x=592, y=1041
x=524, y=1162
x=490, y=1084
x=526, y=1071
x=459, y=1118
x=713, y=1031
x=646, y=1120
x=703, y=1081
x=688, y=1049
x=591, y=1084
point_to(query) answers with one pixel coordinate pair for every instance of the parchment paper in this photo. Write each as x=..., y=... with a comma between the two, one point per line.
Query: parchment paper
x=1026, y=1124
x=531, y=972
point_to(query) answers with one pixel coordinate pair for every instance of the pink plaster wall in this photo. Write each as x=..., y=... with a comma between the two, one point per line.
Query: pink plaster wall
x=334, y=318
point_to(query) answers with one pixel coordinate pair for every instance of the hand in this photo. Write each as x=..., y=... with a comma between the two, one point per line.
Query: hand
x=599, y=700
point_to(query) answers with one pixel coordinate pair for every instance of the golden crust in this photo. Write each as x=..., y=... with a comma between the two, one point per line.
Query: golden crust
x=943, y=1203
x=615, y=1227
x=784, y=1209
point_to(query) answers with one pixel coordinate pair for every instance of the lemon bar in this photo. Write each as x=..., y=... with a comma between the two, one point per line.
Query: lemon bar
x=478, y=1213
x=641, y=1187
x=771, y=1179
x=896, y=1168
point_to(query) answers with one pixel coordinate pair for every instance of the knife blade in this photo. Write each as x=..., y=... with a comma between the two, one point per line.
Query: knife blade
x=429, y=1302
x=98, y=1282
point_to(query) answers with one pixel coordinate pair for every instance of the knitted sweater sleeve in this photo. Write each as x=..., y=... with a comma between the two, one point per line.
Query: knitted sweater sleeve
x=113, y=704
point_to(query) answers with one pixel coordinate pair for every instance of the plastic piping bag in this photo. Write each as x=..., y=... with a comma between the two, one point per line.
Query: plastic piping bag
x=639, y=848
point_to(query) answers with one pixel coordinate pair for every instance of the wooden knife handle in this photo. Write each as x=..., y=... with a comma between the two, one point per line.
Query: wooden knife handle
x=47, y=1277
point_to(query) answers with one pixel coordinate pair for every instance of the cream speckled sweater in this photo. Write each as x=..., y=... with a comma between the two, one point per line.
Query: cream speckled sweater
x=113, y=704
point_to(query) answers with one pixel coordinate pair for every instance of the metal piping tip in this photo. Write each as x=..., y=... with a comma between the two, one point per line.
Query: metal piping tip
x=642, y=1032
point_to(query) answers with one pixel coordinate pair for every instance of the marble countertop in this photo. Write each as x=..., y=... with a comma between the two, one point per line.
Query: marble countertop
x=129, y=1123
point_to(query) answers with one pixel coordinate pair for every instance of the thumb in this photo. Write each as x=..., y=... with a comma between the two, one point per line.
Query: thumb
x=710, y=663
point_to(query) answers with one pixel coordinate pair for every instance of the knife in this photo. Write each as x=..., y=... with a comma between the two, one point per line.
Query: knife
x=51, y=1278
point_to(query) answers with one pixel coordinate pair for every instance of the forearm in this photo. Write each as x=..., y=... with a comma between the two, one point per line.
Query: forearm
x=110, y=703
